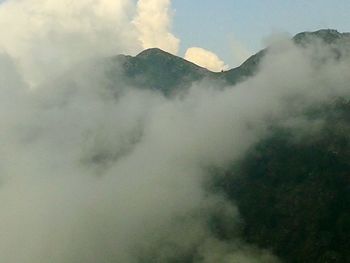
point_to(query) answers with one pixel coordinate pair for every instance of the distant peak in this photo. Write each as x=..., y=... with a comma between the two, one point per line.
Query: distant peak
x=327, y=32
x=327, y=35
x=152, y=52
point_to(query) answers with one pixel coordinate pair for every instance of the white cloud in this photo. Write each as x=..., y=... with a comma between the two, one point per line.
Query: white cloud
x=46, y=36
x=153, y=22
x=205, y=58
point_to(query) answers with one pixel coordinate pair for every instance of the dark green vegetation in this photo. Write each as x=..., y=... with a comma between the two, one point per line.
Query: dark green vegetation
x=293, y=191
x=294, y=194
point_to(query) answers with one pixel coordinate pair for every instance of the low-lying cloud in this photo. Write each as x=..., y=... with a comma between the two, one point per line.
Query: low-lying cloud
x=94, y=174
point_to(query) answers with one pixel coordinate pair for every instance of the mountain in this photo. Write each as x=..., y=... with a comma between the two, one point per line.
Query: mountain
x=246, y=70
x=158, y=70
x=293, y=195
x=329, y=36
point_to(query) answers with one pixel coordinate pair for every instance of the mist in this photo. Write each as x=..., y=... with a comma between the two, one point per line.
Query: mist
x=91, y=173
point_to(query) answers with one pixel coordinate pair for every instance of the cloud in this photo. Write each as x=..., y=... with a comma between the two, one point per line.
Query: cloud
x=153, y=22
x=98, y=173
x=86, y=177
x=239, y=51
x=205, y=58
x=48, y=36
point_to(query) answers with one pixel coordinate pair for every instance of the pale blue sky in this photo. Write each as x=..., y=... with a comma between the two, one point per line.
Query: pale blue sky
x=212, y=24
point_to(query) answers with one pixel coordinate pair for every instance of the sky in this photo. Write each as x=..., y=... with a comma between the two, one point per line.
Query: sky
x=219, y=25
x=217, y=34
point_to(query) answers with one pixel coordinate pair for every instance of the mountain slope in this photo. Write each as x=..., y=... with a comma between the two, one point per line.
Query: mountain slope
x=294, y=193
x=294, y=196
x=251, y=65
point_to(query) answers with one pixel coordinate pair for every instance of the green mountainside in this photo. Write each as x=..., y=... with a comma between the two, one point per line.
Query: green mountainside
x=294, y=195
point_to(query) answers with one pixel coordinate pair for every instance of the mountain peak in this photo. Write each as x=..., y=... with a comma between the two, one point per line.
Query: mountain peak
x=159, y=70
x=153, y=52
x=327, y=35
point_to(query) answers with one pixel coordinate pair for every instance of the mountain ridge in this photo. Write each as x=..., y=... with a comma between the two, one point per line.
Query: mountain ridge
x=159, y=70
